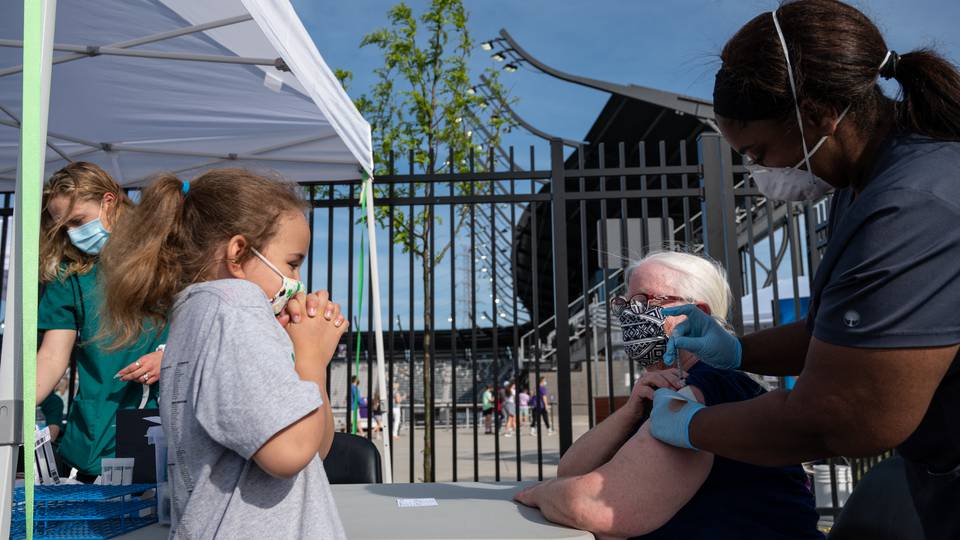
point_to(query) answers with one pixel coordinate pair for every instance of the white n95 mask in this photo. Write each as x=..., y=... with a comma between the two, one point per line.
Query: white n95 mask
x=289, y=287
x=793, y=183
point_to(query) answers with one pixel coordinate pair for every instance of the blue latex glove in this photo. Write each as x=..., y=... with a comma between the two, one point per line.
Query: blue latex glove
x=703, y=336
x=672, y=426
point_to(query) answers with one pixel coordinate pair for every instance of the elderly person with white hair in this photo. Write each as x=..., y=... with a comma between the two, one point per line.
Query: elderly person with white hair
x=618, y=481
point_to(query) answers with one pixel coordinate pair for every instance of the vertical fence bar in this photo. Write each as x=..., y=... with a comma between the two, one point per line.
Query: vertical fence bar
x=353, y=327
x=685, y=183
x=310, y=258
x=454, y=218
x=585, y=287
x=666, y=233
x=391, y=396
x=330, y=198
x=412, y=345
x=7, y=213
x=535, y=282
x=494, y=301
x=644, y=205
x=473, y=320
x=774, y=262
x=625, y=254
x=605, y=271
x=516, y=324
x=720, y=215
x=795, y=260
x=813, y=254
x=754, y=288
x=561, y=293
x=431, y=219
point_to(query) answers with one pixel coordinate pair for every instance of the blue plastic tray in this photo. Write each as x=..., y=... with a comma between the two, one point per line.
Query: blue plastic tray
x=81, y=530
x=78, y=492
x=83, y=510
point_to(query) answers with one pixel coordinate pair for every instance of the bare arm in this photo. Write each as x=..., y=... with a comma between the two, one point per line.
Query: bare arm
x=315, y=339
x=641, y=488
x=779, y=351
x=53, y=359
x=292, y=449
x=848, y=401
x=599, y=445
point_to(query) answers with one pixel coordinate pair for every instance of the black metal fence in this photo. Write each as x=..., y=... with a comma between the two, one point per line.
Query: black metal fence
x=496, y=271
x=499, y=245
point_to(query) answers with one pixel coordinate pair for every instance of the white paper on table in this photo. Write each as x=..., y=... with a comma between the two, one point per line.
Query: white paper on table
x=415, y=503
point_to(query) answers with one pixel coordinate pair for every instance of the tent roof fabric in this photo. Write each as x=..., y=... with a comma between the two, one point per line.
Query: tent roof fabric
x=137, y=116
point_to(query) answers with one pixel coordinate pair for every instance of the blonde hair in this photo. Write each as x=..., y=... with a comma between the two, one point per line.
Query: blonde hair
x=699, y=279
x=78, y=181
x=169, y=240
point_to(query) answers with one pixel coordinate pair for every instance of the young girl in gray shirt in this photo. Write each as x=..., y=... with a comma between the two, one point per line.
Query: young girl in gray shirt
x=243, y=405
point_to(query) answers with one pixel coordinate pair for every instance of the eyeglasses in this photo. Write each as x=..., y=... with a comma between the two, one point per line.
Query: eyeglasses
x=641, y=301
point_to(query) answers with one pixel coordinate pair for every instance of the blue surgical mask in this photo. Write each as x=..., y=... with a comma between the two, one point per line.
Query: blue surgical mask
x=289, y=287
x=91, y=236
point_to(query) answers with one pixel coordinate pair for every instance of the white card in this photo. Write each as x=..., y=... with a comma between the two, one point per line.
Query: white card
x=415, y=503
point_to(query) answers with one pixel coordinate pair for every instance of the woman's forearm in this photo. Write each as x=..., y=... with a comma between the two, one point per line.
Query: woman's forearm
x=53, y=359
x=601, y=443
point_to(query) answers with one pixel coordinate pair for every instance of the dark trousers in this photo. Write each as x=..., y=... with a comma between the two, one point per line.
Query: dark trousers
x=541, y=413
x=937, y=498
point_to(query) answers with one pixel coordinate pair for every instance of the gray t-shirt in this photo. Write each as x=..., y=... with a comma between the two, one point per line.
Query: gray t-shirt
x=229, y=385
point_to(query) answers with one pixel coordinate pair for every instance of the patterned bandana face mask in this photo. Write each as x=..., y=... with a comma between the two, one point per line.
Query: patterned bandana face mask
x=644, y=339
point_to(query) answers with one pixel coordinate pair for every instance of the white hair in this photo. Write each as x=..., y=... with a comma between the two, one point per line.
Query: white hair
x=699, y=279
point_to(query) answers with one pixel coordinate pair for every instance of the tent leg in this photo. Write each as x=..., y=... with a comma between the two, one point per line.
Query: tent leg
x=11, y=403
x=378, y=324
x=19, y=352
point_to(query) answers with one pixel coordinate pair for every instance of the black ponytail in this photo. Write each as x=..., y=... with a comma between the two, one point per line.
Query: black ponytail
x=836, y=54
x=930, y=95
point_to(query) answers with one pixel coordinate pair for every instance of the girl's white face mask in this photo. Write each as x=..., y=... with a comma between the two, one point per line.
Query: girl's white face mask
x=289, y=287
x=792, y=183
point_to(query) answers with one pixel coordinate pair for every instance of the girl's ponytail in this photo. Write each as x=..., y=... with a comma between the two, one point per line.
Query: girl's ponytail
x=141, y=264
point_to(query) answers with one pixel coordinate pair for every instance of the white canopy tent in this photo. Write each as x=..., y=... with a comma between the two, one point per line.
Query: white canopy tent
x=141, y=86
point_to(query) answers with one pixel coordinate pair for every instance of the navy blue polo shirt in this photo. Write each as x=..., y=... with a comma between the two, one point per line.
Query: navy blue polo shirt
x=890, y=277
x=738, y=500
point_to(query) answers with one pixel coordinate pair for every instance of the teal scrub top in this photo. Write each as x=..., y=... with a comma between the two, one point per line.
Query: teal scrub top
x=91, y=422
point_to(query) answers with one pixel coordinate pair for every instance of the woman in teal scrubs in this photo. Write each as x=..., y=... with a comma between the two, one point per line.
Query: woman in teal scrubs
x=81, y=204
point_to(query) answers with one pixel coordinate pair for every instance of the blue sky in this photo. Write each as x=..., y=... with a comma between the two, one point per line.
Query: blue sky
x=671, y=46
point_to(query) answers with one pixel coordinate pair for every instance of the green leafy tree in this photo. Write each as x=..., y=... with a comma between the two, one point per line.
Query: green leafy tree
x=424, y=102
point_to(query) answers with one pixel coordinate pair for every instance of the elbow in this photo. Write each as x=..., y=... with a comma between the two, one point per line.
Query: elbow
x=287, y=466
x=855, y=435
x=283, y=471
x=865, y=442
x=565, y=468
x=605, y=520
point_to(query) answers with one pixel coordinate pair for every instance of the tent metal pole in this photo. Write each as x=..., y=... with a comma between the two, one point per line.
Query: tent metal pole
x=18, y=356
x=95, y=50
x=72, y=157
x=16, y=123
x=377, y=321
x=145, y=40
x=55, y=135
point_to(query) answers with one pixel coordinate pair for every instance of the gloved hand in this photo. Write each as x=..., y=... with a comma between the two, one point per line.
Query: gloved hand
x=703, y=336
x=672, y=426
